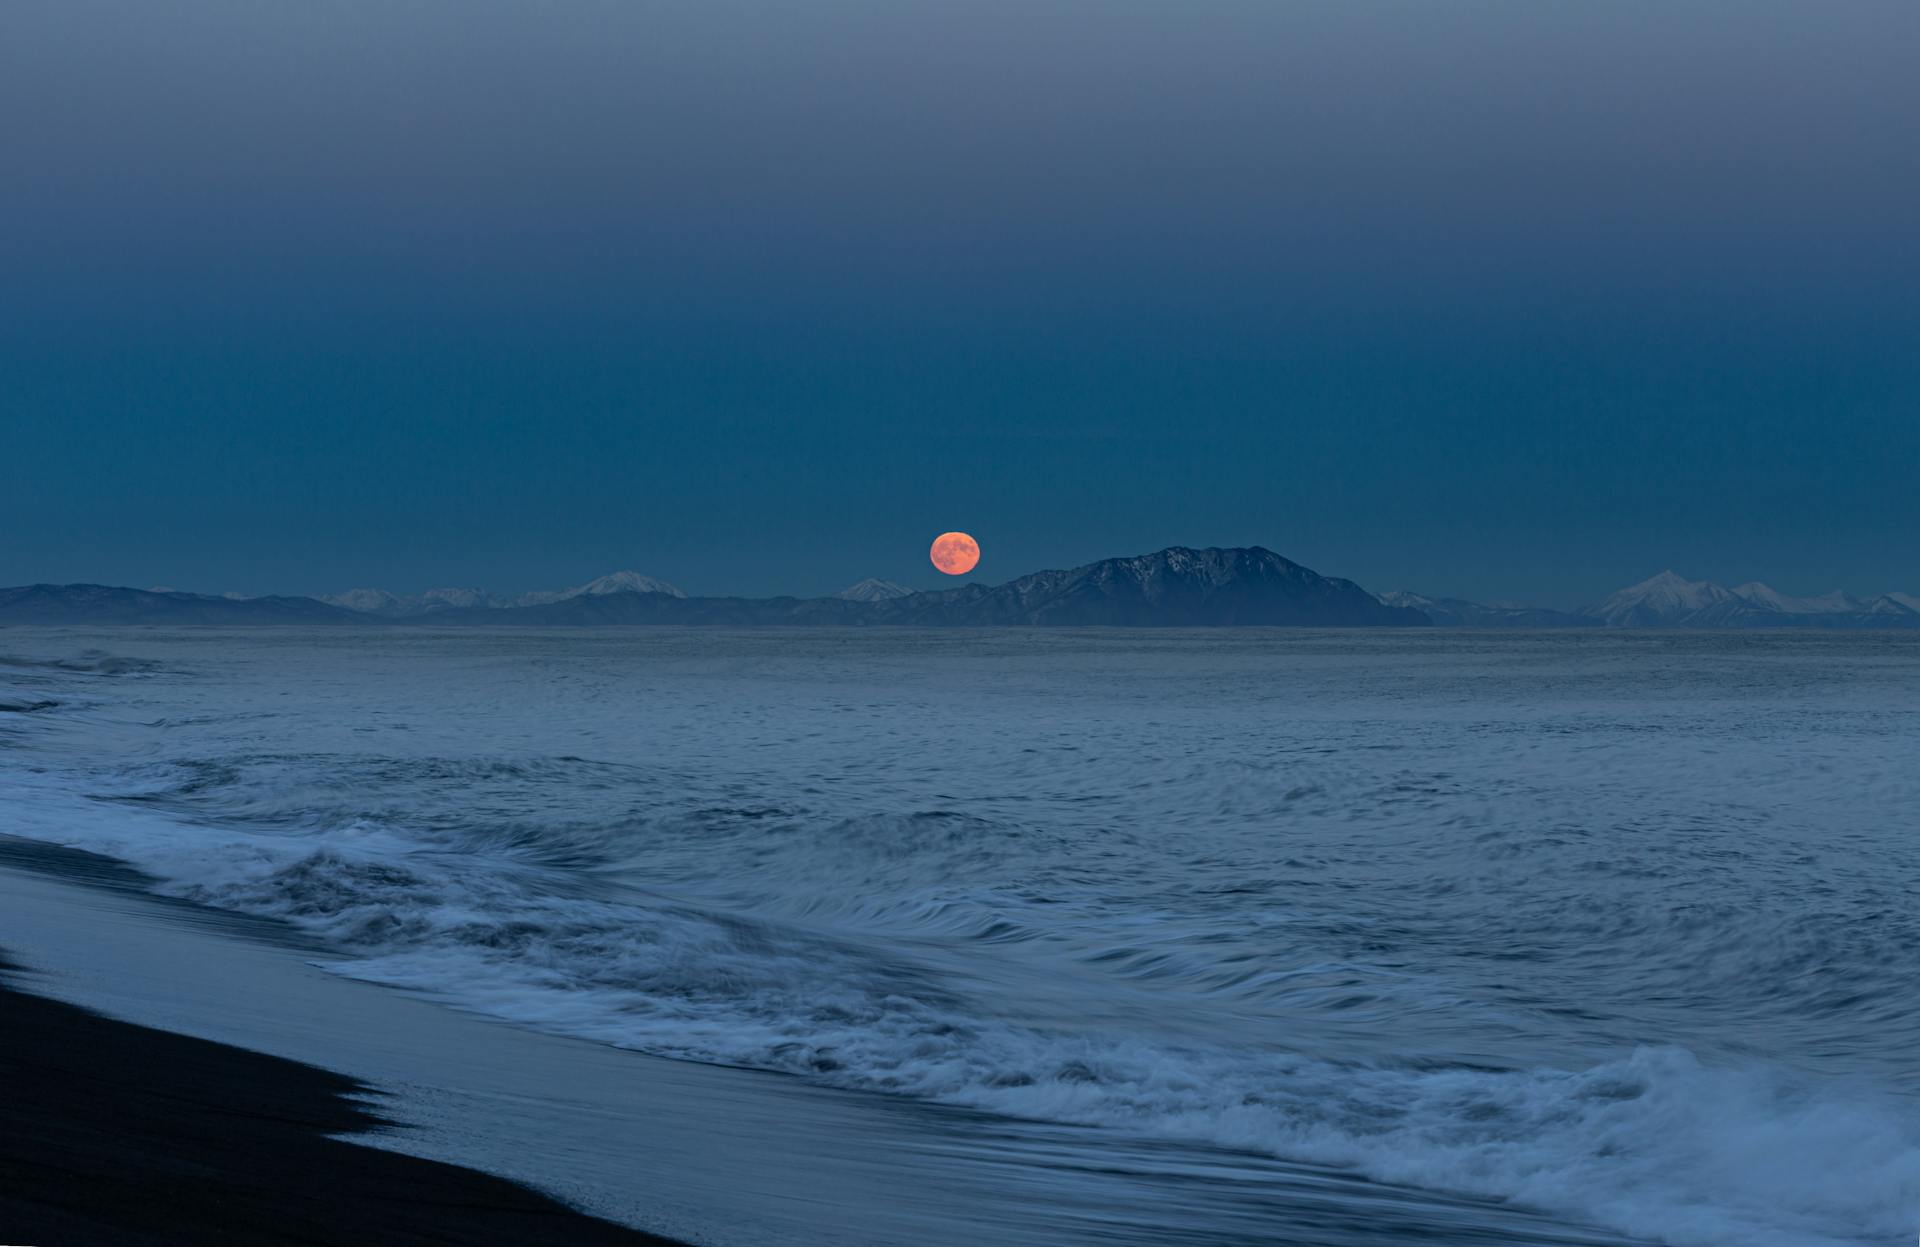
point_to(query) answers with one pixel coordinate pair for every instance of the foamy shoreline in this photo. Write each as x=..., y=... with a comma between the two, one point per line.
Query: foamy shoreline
x=700, y=1154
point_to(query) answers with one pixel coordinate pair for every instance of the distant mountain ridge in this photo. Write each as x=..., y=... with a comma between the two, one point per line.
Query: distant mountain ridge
x=873, y=590
x=1460, y=613
x=1670, y=600
x=1766, y=597
x=68, y=605
x=391, y=605
x=1175, y=587
x=1662, y=599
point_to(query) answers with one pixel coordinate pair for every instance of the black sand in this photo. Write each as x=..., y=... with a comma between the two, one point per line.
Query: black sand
x=113, y=1133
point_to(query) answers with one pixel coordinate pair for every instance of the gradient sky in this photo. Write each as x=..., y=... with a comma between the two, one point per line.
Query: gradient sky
x=1507, y=300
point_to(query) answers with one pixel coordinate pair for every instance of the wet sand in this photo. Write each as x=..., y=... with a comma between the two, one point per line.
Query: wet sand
x=116, y=1133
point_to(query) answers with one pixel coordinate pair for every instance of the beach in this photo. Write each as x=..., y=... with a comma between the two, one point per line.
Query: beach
x=116, y=1133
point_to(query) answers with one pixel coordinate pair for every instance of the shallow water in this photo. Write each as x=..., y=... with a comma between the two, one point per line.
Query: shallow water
x=1616, y=925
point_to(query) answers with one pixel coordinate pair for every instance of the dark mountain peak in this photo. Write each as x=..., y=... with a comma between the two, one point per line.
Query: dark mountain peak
x=1214, y=561
x=1212, y=565
x=1179, y=587
x=873, y=589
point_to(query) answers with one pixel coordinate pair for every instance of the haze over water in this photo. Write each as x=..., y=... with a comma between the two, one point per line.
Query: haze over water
x=1616, y=926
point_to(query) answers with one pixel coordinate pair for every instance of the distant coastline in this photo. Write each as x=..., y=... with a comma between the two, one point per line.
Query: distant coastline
x=1178, y=587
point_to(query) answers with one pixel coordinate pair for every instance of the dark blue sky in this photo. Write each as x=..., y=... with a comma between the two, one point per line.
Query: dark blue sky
x=1500, y=299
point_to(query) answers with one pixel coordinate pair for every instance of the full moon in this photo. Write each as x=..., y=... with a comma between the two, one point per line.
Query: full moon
x=955, y=553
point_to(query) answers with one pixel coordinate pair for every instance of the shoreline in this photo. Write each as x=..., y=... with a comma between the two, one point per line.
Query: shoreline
x=686, y=1153
x=115, y=1132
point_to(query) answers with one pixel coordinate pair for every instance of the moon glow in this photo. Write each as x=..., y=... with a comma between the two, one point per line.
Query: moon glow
x=955, y=553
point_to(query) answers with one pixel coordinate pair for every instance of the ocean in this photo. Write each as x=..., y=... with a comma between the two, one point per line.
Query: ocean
x=1618, y=926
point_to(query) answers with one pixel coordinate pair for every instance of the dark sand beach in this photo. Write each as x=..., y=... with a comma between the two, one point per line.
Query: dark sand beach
x=115, y=1133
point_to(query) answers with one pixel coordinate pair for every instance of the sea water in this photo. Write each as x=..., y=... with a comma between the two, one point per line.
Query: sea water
x=1617, y=925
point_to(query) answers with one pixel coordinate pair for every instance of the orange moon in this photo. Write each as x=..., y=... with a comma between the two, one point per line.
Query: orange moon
x=955, y=553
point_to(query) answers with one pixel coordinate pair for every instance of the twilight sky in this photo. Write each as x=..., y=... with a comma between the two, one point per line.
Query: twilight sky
x=1507, y=300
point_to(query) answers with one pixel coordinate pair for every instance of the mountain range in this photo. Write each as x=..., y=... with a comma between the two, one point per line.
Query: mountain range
x=872, y=590
x=1175, y=587
x=1670, y=600
x=1460, y=613
x=68, y=605
x=392, y=605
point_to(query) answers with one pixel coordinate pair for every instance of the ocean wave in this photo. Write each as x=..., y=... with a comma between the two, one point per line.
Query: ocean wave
x=88, y=662
x=1656, y=1143
x=1614, y=949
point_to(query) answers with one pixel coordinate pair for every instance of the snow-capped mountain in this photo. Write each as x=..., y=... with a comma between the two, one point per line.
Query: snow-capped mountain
x=394, y=605
x=613, y=582
x=1662, y=601
x=455, y=599
x=381, y=602
x=1893, y=604
x=1407, y=597
x=1672, y=601
x=1766, y=597
x=873, y=590
x=366, y=601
